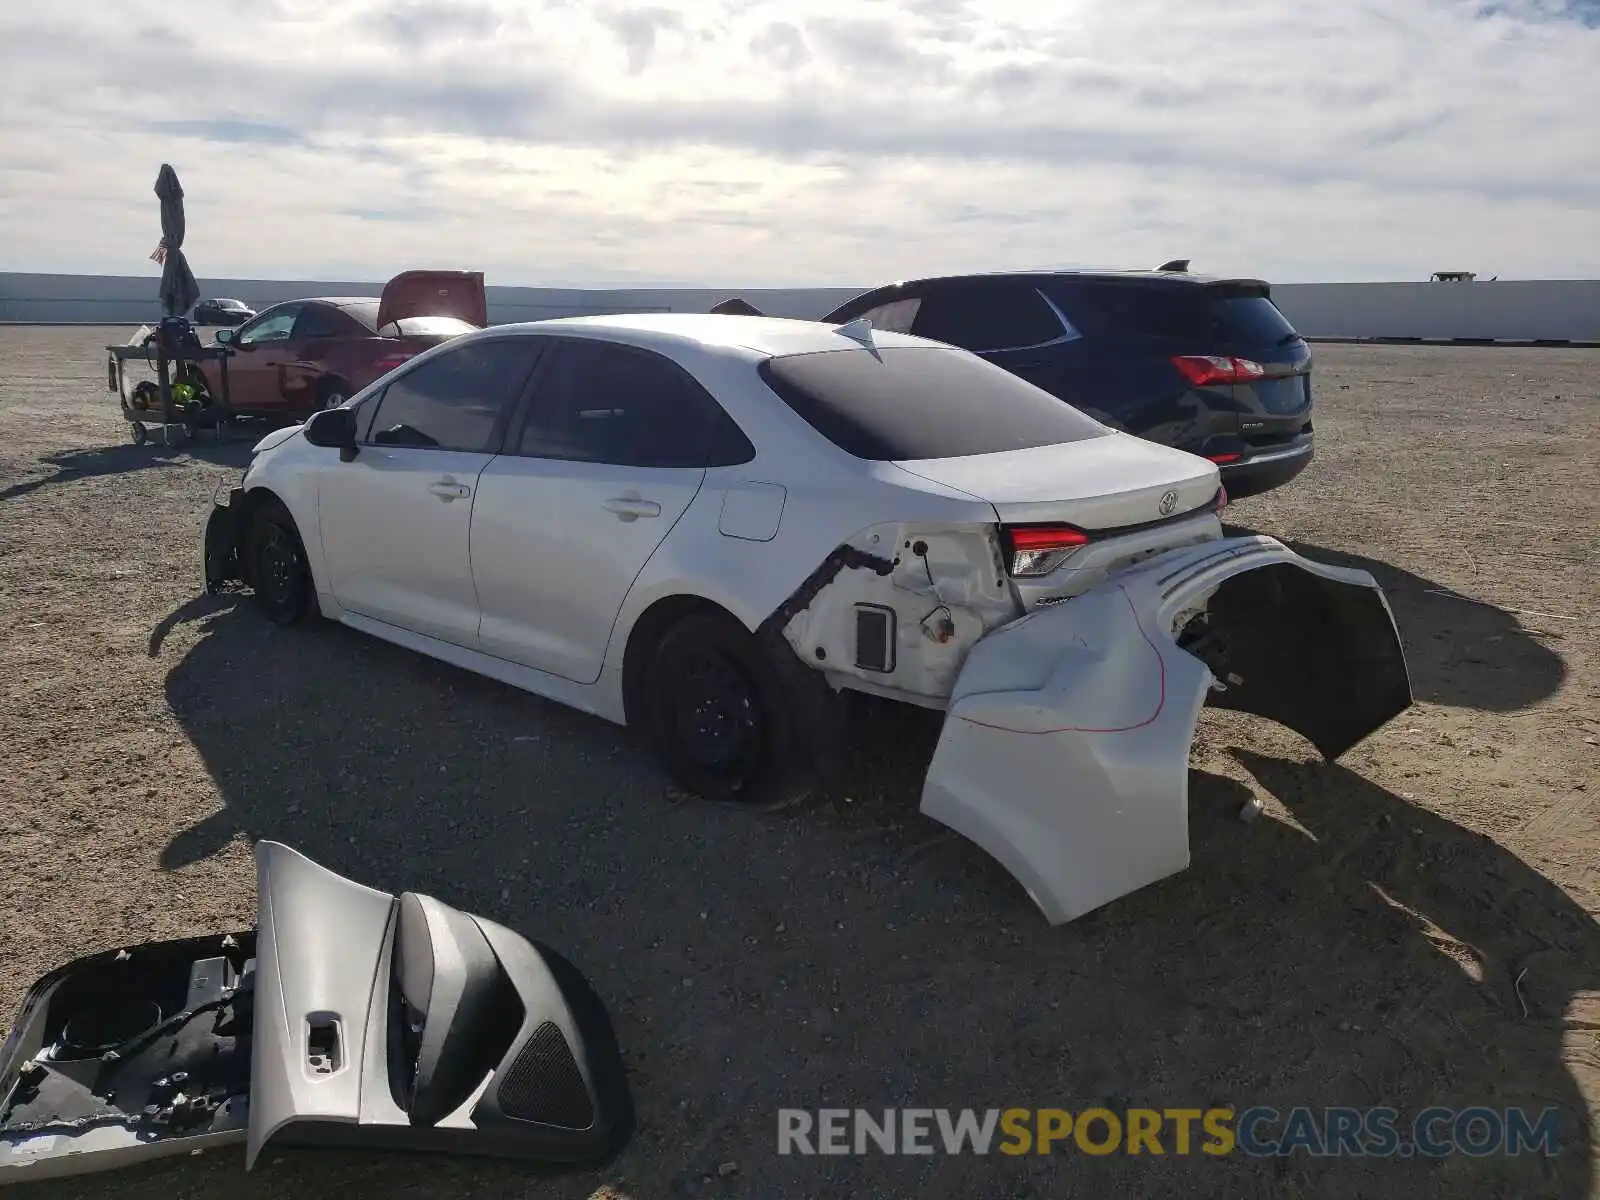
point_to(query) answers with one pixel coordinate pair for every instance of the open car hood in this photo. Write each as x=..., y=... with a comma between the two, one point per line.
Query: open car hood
x=348, y=1017
x=456, y=294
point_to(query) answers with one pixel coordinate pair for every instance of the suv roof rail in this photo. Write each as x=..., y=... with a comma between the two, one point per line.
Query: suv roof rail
x=1177, y=264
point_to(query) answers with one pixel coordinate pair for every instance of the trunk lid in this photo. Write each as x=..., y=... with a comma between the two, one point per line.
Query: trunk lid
x=1244, y=322
x=457, y=294
x=1100, y=483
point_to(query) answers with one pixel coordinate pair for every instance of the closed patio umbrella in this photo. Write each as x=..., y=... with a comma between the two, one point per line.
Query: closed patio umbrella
x=179, y=290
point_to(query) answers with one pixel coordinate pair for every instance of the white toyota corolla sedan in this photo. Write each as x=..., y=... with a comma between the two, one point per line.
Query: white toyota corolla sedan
x=715, y=527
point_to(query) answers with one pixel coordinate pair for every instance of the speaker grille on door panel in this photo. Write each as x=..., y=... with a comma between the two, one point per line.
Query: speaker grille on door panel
x=545, y=1085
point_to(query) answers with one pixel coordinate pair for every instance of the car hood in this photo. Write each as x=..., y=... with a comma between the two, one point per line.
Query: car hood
x=276, y=438
x=1097, y=483
x=458, y=294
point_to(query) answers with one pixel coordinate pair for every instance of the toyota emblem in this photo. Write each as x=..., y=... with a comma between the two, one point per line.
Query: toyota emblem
x=1168, y=503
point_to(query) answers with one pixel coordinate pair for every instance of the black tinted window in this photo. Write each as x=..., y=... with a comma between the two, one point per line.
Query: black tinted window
x=906, y=403
x=600, y=402
x=1184, y=313
x=453, y=402
x=315, y=321
x=987, y=317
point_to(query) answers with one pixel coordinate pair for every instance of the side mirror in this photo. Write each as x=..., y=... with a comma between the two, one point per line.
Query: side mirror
x=225, y=337
x=335, y=429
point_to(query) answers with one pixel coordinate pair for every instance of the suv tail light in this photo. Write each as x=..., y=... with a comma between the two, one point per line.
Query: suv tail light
x=390, y=361
x=1039, y=549
x=1202, y=370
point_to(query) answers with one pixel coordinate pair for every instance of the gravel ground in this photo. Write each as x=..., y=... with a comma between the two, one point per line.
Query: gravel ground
x=1414, y=926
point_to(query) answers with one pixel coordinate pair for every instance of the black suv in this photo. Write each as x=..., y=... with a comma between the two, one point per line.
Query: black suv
x=1207, y=365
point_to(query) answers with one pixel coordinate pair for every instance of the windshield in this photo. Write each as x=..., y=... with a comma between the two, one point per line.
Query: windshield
x=911, y=402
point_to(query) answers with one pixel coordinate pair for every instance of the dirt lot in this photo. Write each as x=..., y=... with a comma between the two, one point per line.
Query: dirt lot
x=1414, y=926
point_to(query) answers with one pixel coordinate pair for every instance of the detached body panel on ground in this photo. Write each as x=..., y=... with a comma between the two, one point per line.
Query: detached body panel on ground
x=348, y=1017
x=714, y=527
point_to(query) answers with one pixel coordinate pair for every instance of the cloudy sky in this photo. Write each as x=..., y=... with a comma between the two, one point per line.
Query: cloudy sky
x=744, y=143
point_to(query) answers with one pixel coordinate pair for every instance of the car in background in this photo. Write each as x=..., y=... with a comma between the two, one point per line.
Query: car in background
x=296, y=358
x=221, y=311
x=1203, y=364
x=712, y=528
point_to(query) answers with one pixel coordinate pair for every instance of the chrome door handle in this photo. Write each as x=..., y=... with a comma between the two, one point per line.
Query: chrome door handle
x=448, y=490
x=631, y=508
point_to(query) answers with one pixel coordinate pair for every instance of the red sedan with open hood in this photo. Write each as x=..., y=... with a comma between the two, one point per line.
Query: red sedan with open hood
x=300, y=356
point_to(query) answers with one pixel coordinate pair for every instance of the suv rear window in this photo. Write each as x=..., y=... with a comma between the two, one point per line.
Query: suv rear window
x=909, y=402
x=1182, y=312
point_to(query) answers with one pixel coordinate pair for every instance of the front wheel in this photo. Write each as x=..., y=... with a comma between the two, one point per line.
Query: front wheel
x=721, y=720
x=279, y=573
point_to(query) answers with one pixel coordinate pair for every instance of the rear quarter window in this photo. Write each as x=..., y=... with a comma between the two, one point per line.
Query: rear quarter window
x=907, y=402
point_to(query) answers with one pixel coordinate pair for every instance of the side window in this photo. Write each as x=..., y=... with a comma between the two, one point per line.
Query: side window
x=365, y=411
x=897, y=316
x=604, y=403
x=457, y=400
x=989, y=318
x=273, y=327
x=318, y=322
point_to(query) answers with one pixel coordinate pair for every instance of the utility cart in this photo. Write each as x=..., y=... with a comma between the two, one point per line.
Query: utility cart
x=178, y=399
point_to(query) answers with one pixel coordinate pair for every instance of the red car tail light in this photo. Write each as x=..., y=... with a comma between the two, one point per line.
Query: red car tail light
x=1039, y=549
x=1223, y=460
x=390, y=361
x=1202, y=370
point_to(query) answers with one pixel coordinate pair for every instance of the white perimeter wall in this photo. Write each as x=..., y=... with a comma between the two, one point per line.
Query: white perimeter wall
x=1513, y=310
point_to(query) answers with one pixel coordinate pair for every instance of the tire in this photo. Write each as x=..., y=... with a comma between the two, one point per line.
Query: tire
x=723, y=719
x=331, y=394
x=277, y=569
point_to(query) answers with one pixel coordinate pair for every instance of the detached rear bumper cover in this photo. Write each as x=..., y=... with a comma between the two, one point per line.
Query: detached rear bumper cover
x=1065, y=751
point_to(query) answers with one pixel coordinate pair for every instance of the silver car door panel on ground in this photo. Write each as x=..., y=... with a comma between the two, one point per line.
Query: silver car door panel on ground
x=349, y=1017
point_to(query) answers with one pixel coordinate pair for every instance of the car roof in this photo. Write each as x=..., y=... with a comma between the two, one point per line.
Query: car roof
x=1176, y=277
x=763, y=337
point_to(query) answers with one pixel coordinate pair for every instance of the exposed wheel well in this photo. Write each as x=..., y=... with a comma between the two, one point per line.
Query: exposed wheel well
x=646, y=634
x=253, y=502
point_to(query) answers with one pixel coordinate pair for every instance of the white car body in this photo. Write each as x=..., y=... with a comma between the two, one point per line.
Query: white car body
x=1071, y=705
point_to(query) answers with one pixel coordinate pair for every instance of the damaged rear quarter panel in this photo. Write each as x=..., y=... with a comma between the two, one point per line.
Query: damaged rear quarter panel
x=945, y=586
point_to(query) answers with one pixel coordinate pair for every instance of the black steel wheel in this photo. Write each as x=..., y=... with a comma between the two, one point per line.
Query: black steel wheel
x=721, y=719
x=279, y=574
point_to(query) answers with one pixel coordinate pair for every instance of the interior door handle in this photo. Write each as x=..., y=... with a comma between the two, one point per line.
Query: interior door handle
x=448, y=490
x=631, y=508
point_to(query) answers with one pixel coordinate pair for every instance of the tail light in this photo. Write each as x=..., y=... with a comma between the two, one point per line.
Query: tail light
x=1039, y=549
x=390, y=361
x=1202, y=370
x=1223, y=460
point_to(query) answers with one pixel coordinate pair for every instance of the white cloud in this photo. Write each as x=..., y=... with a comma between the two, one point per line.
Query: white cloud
x=744, y=142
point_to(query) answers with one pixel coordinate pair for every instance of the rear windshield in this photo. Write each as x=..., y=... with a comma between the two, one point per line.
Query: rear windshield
x=1181, y=313
x=367, y=314
x=909, y=402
